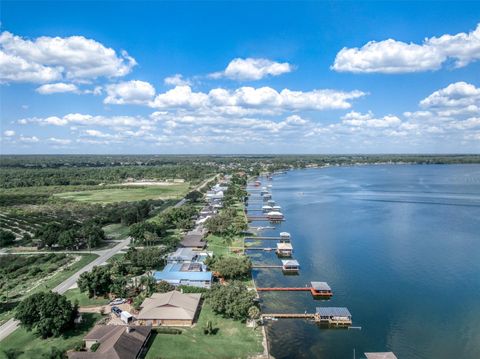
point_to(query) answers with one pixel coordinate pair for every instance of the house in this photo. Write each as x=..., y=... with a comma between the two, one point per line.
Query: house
x=193, y=240
x=188, y=273
x=188, y=255
x=169, y=309
x=114, y=342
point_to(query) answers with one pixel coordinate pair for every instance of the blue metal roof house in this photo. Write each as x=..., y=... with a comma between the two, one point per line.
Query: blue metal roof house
x=192, y=274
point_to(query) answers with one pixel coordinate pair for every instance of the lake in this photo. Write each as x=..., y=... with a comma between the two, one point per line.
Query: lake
x=400, y=247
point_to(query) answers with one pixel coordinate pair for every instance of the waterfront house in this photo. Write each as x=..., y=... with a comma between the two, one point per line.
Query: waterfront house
x=169, y=309
x=284, y=249
x=290, y=265
x=337, y=316
x=189, y=273
x=114, y=342
x=187, y=255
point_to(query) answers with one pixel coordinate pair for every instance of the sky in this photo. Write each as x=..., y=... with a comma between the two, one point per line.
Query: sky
x=239, y=77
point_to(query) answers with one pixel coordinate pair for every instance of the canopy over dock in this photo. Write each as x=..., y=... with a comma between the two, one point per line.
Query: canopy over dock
x=381, y=355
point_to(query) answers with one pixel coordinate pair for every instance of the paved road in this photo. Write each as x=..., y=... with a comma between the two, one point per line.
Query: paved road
x=10, y=326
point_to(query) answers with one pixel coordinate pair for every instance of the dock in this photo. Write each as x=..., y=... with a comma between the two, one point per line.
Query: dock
x=288, y=316
x=317, y=289
x=261, y=266
x=262, y=238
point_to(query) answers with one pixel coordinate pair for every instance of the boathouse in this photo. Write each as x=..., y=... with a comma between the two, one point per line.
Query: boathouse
x=284, y=249
x=267, y=196
x=271, y=202
x=274, y=216
x=380, y=355
x=321, y=289
x=285, y=237
x=337, y=316
x=290, y=265
x=267, y=208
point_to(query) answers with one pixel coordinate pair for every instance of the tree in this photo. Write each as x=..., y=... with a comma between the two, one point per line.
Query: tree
x=230, y=267
x=97, y=282
x=67, y=239
x=253, y=312
x=148, y=283
x=50, y=314
x=7, y=238
x=232, y=301
x=194, y=196
x=164, y=287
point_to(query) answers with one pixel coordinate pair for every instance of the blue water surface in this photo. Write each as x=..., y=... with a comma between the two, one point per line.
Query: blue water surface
x=400, y=247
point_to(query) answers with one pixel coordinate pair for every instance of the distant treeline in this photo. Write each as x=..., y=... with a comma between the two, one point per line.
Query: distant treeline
x=23, y=175
x=62, y=170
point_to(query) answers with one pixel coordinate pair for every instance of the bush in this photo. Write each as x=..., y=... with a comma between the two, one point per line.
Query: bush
x=190, y=289
x=174, y=331
x=94, y=347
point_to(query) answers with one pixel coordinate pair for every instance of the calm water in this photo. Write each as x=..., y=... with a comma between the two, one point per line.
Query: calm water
x=400, y=247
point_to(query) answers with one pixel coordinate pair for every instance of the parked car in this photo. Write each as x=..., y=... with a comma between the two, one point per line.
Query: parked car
x=117, y=301
x=117, y=311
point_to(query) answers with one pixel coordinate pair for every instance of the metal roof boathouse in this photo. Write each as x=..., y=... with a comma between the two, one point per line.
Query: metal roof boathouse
x=335, y=316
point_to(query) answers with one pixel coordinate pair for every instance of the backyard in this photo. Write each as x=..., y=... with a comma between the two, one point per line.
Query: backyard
x=233, y=340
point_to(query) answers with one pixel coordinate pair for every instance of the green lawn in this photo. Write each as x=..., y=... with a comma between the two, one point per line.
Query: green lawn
x=233, y=340
x=127, y=193
x=27, y=345
x=221, y=246
x=82, y=298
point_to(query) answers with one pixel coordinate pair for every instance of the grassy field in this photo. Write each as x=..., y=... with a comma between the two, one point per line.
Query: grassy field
x=27, y=345
x=82, y=298
x=233, y=340
x=126, y=194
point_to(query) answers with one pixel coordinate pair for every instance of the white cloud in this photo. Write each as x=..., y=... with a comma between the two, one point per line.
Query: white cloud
x=60, y=141
x=9, y=133
x=459, y=94
x=252, y=69
x=367, y=120
x=249, y=100
x=58, y=87
x=392, y=56
x=27, y=139
x=176, y=80
x=48, y=59
x=130, y=92
x=88, y=120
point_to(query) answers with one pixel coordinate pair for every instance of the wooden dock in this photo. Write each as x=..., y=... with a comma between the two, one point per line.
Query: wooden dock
x=313, y=292
x=288, y=315
x=261, y=266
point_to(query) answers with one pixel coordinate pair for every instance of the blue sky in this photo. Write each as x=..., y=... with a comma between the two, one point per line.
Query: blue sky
x=240, y=77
